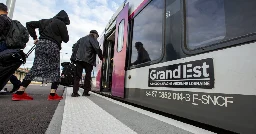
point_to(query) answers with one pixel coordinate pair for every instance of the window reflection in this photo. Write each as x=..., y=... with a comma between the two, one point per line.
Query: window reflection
x=142, y=54
x=120, y=36
x=147, y=30
x=212, y=21
x=205, y=22
x=173, y=30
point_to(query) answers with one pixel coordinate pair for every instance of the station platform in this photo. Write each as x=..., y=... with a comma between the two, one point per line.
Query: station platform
x=97, y=114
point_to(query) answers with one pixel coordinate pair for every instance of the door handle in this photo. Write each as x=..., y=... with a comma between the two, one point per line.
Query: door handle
x=129, y=77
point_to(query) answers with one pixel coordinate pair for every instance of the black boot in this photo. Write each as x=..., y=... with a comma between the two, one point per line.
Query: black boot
x=75, y=95
x=86, y=94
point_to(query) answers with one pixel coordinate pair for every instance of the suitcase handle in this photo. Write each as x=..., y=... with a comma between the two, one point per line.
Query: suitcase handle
x=30, y=51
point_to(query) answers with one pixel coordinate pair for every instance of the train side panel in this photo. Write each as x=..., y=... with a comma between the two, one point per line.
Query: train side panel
x=202, y=63
x=225, y=100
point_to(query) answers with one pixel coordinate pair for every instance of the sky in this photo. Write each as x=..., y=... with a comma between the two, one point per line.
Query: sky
x=84, y=15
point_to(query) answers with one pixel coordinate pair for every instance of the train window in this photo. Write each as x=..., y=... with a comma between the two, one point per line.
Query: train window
x=173, y=30
x=120, y=36
x=209, y=22
x=147, y=33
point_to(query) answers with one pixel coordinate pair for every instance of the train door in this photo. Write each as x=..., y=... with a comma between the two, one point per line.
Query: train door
x=99, y=67
x=107, y=67
x=121, y=35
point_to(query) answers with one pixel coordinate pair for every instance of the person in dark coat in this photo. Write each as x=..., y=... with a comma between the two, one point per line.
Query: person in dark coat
x=46, y=66
x=84, y=56
x=5, y=24
x=143, y=55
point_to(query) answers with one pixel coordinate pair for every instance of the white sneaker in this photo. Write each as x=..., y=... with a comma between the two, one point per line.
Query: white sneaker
x=41, y=85
x=45, y=85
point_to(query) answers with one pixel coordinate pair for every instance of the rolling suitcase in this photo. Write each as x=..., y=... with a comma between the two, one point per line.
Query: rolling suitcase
x=67, y=75
x=10, y=61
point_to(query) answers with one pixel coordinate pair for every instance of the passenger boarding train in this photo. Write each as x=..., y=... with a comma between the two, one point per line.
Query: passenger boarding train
x=190, y=58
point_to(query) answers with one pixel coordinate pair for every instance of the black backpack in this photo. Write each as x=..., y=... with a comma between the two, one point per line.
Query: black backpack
x=17, y=36
x=11, y=56
x=73, y=56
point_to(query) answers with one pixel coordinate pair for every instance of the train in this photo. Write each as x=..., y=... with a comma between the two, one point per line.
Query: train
x=194, y=59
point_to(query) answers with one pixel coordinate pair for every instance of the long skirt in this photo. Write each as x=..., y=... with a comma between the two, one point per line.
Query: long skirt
x=46, y=66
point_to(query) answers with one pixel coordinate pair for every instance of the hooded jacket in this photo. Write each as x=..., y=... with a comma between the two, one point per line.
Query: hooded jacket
x=86, y=49
x=53, y=29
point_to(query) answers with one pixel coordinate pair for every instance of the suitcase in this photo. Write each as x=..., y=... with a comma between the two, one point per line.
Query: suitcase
x=10, y=61
x=67, y=75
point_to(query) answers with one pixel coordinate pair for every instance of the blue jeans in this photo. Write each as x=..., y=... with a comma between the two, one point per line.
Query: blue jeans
x=14, y=80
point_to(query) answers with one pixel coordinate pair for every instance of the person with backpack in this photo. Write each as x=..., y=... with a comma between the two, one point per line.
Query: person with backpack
x=5, y=27
x=84, y=56
x=46, y=66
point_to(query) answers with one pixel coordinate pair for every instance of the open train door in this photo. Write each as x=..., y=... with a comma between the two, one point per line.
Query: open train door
x=99, y=66
x=121, y=36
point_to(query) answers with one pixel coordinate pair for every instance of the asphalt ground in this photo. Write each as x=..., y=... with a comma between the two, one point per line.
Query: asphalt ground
x=27, y=117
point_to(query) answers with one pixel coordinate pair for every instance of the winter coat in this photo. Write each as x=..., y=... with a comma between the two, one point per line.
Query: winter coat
x=53, y=29
x=86, y=49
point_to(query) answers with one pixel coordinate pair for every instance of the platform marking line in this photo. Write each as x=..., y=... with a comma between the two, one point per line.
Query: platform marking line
x=184, y=126
x=82, y=116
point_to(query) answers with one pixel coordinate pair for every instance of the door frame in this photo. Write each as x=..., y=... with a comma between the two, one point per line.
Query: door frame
x=119, y=59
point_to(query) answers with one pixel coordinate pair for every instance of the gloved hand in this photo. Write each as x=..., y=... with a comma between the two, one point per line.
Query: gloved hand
x=73, y=61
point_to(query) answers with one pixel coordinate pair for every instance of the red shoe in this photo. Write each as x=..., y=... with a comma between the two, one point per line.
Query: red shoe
x=55, y=97
x=24, y=96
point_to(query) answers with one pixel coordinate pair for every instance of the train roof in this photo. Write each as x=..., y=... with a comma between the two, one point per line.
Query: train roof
x=133, y=5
